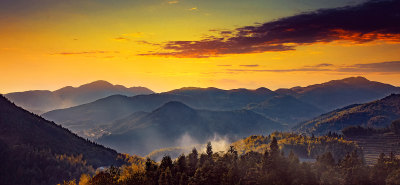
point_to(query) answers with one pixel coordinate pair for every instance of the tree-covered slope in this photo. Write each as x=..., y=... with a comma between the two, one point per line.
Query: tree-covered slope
x=377, y=114
x=36, y=151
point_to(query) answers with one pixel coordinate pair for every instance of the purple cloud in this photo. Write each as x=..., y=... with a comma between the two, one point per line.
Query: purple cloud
x=374, y=20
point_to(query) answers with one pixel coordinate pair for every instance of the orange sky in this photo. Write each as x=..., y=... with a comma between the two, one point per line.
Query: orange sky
x=56, y=44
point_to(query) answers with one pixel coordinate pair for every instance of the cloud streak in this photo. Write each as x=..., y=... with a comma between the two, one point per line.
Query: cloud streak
x=383, y=67
x=251, y=65
x=379, y=67
x=371, y=21
x=86, y=52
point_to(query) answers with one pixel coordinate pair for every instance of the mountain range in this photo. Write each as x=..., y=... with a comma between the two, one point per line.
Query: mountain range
x=375, y=114
x=288, y=106
x=40, y=101
x=43, y=152
x=176, y=124
x=112, y=108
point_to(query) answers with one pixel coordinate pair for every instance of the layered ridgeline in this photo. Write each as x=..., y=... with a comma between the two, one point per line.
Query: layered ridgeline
x=376, y=114
x=339, y=93
x=42, y=152
x=176, y=124
x=81, y=119
x=288, y=106
x=40, y=101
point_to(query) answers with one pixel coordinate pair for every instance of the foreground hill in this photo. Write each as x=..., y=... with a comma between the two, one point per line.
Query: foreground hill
x=339, y=93
x=43, y=101
x=377, y=114
x=176, y=124
x=42, y=152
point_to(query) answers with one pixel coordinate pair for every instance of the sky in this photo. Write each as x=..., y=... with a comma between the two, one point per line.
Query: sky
x=169, y=44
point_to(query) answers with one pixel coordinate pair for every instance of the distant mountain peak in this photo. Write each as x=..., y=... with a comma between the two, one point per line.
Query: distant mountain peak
x=175, y=105
x=263, y=89
x=354, y=80
x=97, y=84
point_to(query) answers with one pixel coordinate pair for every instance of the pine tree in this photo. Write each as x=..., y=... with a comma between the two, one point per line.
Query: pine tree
x=193, y=160
x=209, y=151
x=274, y=147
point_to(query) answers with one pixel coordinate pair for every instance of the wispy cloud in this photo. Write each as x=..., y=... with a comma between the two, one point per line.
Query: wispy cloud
x=223, y=65
x=383, y=67
x=279, y=70
x=173, y=2
x=121, y=39
x=252, y=65
x=379, y=67
x=85, y=52
x=373, y=20
x=321, y=65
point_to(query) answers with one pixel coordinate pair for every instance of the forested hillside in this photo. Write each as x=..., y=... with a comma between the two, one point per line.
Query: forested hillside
x=42, y=152
x=377, y=114
x=306, y=147
x=269, y=167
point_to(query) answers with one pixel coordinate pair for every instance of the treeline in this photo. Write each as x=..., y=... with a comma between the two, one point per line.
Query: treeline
x=351, y=131
x=305, y=147
x=251, y=168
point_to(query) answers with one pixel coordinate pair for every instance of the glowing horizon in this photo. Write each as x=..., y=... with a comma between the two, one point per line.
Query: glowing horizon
x=165, y=45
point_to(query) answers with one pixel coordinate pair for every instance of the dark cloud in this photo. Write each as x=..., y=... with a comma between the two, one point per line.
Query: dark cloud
x=374, y=20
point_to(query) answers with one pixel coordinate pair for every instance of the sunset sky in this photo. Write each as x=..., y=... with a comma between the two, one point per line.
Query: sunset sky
x=168, y=44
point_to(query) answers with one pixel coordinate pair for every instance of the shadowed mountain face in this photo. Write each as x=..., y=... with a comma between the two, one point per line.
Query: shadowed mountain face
x=339, y=93
x=44, y=101
x=377, y=114
x=32, y=143
x=285, y=109
x=168, y=125
x=116, y=107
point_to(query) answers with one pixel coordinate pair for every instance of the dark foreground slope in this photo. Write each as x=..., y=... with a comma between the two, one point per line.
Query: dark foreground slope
x=376, y=114
x=36, y=151
x=174, y=123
